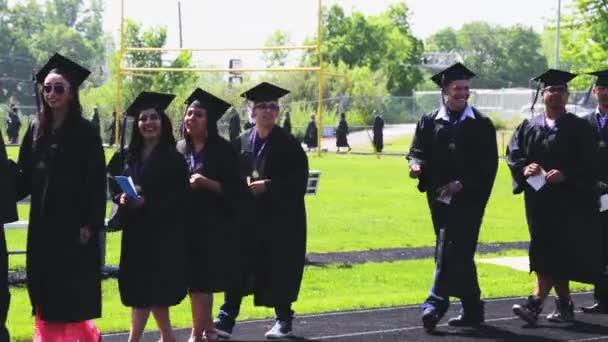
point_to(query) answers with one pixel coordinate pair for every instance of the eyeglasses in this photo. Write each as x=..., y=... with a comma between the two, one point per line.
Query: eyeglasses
x=267, y=106
x=57, y=88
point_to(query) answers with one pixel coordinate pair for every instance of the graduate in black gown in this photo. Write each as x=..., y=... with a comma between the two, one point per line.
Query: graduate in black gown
x=234, y=126
x=275, y=167
x=62, y=163
x=287, y=122
x=599, y=121
x=311, y=134
x=551, y=159
x=153, y=257
x=342, y=134
x=378, y=133
x=454, y=156
x=215, y=187
x=8, y=213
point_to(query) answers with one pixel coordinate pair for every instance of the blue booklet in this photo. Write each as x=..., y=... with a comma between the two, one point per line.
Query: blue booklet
x=127, y=186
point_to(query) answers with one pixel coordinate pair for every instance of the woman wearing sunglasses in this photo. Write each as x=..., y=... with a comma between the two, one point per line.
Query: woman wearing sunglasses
x=153, y=261
x=62, y=168
x=214, y=189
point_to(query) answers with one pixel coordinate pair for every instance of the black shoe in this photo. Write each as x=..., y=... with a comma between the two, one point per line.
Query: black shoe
x=432, y=312
x=597, y=308
x=471, y=315
x=224, y=327
x=530, y=310
x=564, y=312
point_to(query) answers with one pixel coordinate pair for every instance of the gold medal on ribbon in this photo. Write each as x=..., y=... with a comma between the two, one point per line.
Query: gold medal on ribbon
x=255, y=174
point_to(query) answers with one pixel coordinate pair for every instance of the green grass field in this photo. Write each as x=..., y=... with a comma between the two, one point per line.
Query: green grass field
x=402, y=144
x=331, y=288
x=369, y=203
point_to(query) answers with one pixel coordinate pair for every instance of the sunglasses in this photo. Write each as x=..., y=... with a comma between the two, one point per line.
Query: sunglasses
x=267, y=106
x=57, y=88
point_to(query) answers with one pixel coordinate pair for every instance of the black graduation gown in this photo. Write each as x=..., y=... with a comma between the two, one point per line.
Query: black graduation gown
x=212, y=222
x=8, y=213
x=64, y=174
x=311, y=135
x=562, y=218
x=342, y=134
x=466, y=152
x=601, y=164
x=153, y=258
x=12, y=129
x=8, y=173
x=274, y=242
x=287, y=124
x=378, y=134
x=234, y=127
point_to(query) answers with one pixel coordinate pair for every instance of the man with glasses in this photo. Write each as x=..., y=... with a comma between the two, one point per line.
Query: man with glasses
x=551, y=159
x=598, y=120
x=454, y=156
x=274, y=167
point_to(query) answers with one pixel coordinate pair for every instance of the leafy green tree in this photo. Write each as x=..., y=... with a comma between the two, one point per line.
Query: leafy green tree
x=583, y=39
x=500, y=56
x=277, y=58
x=381, y=42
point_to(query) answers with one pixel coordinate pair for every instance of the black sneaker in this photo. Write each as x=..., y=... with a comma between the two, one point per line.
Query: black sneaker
x=471, y=315
x=596, y=308
x=223, y=327
x=530, y=310
x=280, y=329
x=564, y=312
x=432, y=312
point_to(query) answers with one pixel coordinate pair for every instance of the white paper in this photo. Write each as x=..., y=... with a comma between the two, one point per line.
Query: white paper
x=444, y=197
x=603, y=202
x=537, y=181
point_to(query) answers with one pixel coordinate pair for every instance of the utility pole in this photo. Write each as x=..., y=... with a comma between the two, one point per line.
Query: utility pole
x=179, y=17
x=557, y=32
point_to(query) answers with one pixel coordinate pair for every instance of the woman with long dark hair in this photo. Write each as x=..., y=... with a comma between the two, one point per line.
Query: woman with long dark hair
x=212, y=227
x=62, y=168
x=152, y=274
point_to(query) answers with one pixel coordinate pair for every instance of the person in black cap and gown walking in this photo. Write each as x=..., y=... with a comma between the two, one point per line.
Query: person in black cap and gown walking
x=454, y=156
x=551, y=160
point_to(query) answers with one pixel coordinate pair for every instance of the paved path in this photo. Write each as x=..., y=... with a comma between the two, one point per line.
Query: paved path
x=403, y=324
x=362, y=139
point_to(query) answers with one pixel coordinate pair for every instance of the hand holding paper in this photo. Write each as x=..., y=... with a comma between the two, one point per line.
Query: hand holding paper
x=538, y=180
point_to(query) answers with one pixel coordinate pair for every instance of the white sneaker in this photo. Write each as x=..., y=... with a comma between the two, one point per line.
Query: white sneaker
x=280, y=329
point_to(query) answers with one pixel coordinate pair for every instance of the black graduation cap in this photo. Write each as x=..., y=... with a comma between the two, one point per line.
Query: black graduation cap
x=215, y=106
x=551, y=77
x=602, y=77
x=146, y=100
x=75, y=73
x=453, y=73
x=264, y=92
x=554, y=77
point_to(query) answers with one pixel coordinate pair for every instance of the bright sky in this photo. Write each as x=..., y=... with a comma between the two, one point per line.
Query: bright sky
x=247, y=23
